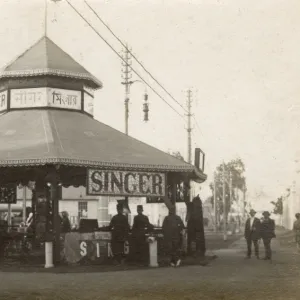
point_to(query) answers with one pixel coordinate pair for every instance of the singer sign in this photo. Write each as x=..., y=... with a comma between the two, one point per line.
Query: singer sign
x=126, y=183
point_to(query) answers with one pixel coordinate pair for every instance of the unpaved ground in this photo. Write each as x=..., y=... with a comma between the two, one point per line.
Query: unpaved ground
x=228, y=277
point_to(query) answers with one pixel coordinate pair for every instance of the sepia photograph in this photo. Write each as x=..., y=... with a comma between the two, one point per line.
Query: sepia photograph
x=149, y=150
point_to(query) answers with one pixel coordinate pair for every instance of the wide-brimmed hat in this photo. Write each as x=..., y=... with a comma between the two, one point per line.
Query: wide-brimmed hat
x=252, y=211
x=266, y=213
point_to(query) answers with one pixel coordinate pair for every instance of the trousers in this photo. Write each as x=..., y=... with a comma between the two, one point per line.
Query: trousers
x=249, y=247
x=173, y=250
x=267, y=245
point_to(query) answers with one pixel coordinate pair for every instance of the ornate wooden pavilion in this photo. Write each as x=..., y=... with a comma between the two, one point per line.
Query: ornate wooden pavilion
x=49, y=136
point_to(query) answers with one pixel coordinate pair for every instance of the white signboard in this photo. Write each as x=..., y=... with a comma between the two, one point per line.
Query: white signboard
x=88, y=104
x=45, y=97
x=64, y=98
x=26, y=98
x=126, y=183
x=3, y=101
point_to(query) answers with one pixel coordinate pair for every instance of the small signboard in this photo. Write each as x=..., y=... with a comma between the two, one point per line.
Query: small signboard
x=8, y=195
x=88, y=104
x=126, y=183
x=3, y=101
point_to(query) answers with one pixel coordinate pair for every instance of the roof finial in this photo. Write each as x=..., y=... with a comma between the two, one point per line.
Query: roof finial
x=46, y=17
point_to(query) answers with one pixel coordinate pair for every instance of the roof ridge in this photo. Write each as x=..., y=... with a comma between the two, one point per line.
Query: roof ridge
x=20, y=55
x=46, y=50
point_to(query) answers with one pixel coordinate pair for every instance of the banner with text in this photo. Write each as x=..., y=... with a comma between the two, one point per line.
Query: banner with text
x=126, y=183
x=45, y=97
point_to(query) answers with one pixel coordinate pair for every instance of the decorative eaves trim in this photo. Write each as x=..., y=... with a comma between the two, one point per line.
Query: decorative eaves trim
x=52, y=72
x=93, y=164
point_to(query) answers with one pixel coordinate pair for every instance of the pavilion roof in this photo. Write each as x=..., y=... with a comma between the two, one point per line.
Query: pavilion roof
x=46, y=58
x=39, y=137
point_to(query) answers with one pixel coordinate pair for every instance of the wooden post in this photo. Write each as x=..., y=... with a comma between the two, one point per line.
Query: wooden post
x=24, y=203
x=9, y=216
x=53, y=179
x=215, y=203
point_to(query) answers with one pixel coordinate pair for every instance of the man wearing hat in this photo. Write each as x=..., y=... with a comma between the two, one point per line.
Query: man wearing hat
x=120, y=229
x=172, y=228
x=267, y=233
x=141, y=226
x=252, y=233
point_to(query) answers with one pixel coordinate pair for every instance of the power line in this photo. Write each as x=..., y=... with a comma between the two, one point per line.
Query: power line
x=112, y=48
x=133, y=56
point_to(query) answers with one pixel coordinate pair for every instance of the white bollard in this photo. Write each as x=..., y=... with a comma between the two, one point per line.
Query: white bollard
x=153, y=252
x=49, y=255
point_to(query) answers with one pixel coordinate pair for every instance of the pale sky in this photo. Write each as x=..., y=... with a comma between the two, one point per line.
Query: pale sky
x=241, y=57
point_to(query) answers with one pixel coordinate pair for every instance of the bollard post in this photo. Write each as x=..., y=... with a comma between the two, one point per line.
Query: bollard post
x=49, y=255
x=152, y=252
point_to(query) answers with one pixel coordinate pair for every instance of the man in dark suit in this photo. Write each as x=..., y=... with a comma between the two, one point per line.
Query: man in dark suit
x=252, y=233
x=267, y=233
x=141, y=226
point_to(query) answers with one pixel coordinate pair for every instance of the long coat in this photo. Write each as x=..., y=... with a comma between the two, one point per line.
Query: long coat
x=267, y=229
x=254, y=232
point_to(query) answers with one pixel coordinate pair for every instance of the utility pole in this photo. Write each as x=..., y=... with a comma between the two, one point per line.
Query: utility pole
x=215, y=203
x=189, y=127
x=224, y=204
x=244, y=202
x=126, y=70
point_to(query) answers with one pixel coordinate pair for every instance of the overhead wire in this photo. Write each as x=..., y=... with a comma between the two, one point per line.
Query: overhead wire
x=133, y=56
x=116, y=52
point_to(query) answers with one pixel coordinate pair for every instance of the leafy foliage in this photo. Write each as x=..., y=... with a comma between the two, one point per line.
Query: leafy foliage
x=236, y=168
x=278, y=206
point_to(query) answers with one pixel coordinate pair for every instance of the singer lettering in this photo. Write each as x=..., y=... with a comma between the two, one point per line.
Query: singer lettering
x=123, y=183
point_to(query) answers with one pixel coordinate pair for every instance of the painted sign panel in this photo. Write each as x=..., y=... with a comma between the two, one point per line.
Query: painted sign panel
x=64, y=98
x=45, y=97
x=126, y=183
x=3, y=101
x=88, y=104
x=26, y=98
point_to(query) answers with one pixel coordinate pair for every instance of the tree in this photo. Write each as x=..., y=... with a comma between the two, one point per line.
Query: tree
x=236, y=168
x=278, y=208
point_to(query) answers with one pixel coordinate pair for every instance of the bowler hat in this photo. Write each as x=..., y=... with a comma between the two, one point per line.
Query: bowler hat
x=252, y=211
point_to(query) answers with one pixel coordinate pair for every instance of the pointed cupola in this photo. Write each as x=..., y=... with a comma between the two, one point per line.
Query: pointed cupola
x=45, y=76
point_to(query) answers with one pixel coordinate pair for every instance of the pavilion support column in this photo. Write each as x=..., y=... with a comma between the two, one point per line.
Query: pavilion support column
x=170, y=199
x=53, y=239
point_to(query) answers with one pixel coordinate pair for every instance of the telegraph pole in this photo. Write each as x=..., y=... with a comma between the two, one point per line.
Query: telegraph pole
x=189, y=127
x=215, y=203
x=224, y=204
x=244, y=202
x=126, y=70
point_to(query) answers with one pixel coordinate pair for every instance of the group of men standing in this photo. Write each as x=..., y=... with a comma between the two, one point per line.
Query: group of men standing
x=255, y=230
x=172, y=231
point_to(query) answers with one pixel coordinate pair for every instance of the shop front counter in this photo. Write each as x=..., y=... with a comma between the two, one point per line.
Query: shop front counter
x=95, y=247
